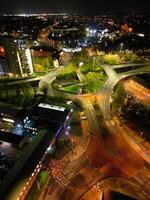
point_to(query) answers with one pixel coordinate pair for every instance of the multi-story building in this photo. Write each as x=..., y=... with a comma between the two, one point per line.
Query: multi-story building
x=17, y=55
x=3, y=63
x=36, y=128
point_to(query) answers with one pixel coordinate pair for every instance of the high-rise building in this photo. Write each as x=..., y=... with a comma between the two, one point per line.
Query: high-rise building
x=3, y=63
x=3, y=67
x=17, y=55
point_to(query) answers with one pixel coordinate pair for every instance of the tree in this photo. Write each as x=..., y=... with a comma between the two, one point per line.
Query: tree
x=38, y=68
x=111, y=59
x=95, y=81
x=118, y=97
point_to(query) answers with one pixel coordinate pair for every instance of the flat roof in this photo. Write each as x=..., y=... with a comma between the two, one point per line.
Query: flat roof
x=44, y=108
x=43, y=113
x=10, y=137
x=52, y=119
x=50, y=114
x=52, y=107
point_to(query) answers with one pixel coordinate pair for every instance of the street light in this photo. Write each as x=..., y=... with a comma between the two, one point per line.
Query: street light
x=49, y=148
x=121, y=46
x=94, y=59
x=81, y=64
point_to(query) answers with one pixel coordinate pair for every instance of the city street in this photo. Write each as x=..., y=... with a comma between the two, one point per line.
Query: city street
x=75, y=100
x=109, y=155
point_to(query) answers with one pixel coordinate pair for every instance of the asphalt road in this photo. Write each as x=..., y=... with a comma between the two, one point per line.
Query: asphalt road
x=47, y=79
x=112, y=155
x=113, y=79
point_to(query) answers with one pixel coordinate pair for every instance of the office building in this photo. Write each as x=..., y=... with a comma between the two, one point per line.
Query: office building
x=16, y=57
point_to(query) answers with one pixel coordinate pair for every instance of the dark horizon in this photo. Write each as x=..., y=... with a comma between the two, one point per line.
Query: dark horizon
x=69, y=6
x=76, y=13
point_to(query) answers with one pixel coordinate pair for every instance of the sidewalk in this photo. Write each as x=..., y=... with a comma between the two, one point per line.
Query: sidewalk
x=67, y=161
x=144, y=146
x=70, y=157
x=141, y=146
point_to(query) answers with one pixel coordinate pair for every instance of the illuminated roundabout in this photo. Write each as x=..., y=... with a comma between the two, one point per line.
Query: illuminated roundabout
x=114, y=125
x=104, y=94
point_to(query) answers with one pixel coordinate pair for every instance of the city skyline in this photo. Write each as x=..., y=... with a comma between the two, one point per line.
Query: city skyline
x=74, y=102
x=84, y=7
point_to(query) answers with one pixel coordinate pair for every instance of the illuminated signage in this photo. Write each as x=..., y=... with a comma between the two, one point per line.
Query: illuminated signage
x=44, y=105
x=8, y=120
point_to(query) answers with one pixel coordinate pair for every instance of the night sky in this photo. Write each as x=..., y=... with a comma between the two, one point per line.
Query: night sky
x=71, y=6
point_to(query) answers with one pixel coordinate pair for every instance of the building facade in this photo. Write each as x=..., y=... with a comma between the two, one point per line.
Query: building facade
x=17, y=54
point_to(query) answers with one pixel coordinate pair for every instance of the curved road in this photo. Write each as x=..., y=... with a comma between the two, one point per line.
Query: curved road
x=113, y=79
x=112, y=153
